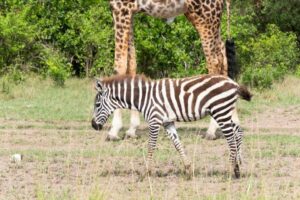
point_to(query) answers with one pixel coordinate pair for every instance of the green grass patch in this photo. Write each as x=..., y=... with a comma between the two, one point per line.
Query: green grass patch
x=274, y=139
x=38, y=99
x=271, y=146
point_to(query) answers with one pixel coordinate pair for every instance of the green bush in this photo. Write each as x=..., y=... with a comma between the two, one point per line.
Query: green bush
x=56, y=66
x=168, y=49
x=95, y=27
x=271, y=55
x=17, y=41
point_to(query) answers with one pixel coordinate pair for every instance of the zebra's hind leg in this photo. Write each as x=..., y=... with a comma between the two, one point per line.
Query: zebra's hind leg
x=238, y=137
x=227, y=127
x=172, y=134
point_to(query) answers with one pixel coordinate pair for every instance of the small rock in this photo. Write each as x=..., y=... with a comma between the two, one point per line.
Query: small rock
x=16, y=158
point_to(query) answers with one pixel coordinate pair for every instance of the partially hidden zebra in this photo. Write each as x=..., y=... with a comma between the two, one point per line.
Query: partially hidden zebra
x=162, y=102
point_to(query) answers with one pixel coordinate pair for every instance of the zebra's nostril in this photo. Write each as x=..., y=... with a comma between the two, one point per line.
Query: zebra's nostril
x=95, y=125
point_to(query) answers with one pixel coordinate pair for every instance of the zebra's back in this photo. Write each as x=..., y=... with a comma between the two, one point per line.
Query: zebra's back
x=191, y=98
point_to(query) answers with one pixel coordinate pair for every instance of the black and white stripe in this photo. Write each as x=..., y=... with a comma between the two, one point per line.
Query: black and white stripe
x=167, y=100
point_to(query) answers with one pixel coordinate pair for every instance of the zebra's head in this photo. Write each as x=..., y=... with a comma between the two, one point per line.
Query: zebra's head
x=102, y=107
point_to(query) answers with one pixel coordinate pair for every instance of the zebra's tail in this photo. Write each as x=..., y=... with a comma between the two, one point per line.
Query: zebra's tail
x=244, y=93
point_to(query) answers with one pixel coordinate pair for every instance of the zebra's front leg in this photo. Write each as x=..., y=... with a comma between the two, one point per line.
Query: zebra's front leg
x=153, y=135
x=172, y=134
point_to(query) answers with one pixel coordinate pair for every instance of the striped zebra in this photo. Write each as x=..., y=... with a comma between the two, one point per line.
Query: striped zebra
x=162, y=102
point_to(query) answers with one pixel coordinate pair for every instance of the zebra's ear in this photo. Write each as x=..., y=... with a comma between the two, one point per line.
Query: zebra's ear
x=99, y=86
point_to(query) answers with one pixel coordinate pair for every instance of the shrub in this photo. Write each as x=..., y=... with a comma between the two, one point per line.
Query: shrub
x=167, y=49
x=271, y=55
x=17, y=41
x=56, y=66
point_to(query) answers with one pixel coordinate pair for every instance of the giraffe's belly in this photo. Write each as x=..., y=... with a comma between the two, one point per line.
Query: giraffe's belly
x=162, y=8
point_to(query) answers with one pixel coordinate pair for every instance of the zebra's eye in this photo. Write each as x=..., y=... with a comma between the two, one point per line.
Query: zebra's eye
x=97, y=104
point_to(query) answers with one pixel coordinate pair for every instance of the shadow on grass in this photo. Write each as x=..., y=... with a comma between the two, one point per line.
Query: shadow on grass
x=177, y=172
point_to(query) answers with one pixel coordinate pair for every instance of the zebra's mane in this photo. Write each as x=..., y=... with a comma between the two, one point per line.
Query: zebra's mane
x=116, y=78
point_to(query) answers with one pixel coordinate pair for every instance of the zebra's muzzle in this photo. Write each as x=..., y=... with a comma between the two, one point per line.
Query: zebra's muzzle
x=96, y=126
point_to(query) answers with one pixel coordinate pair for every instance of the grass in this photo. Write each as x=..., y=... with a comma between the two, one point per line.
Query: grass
x=38, y=99
x=65, y=159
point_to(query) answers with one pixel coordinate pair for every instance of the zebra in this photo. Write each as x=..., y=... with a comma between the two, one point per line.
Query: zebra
x=164, y=101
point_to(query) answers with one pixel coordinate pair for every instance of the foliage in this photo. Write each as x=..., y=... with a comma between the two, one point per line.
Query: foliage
x=167, y=50
x=17, y=41
x=285, y=14
x=56, y=66
x=271, y=55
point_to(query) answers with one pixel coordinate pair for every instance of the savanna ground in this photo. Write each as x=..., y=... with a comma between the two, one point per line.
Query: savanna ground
x=64, y=158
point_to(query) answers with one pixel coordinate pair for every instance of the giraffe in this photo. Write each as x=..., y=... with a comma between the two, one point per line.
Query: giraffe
x=205, y=16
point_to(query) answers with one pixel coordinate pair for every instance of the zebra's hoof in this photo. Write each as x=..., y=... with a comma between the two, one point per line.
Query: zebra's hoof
x=210, y=136
x=188, y=172
x=142, y=176
x=240, y=160
x=130, y=133
x=237, y=172
x=112, y=138
x=128, y=136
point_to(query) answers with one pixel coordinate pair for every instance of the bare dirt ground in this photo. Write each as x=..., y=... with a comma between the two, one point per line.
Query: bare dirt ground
x=68, y=160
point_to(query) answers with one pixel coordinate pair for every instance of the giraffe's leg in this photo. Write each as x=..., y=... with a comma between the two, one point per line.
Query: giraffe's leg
x=235, y=117
x=115, y=126
x=213, y=126
x=134, y=123
x=131, y=53
x=208, y=27
x=208, y=22
x=172, y=134
x=211, y=131
x=122, y=25
x=135, y=117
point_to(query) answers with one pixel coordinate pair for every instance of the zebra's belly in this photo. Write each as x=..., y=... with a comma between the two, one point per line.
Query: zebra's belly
x=162, y=8
x=185, y=117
